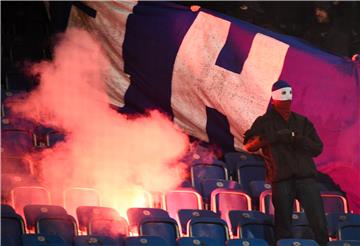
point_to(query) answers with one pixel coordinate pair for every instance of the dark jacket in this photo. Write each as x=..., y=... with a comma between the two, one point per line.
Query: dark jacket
x=287, y=156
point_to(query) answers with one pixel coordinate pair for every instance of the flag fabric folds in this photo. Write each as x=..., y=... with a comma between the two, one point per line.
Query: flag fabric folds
x=212, y=74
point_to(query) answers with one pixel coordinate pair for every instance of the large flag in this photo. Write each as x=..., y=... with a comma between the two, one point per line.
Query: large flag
x=212, y=74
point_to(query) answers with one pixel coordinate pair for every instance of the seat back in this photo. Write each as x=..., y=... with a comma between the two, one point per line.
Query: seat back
x=136, y=215
x=185, y=215
x=252, y=224
x=350, y=227
x=202, y=171
x=35, y=211
x=234, y=159
x=165, y=228
x=12, y=226
x=26, y=195
x=266, y=206
x=224, y=200
x=344, y=243
x=334, y=202
x=114, y=228
x=86, y=213
x=75, y=197
x=16, y=165
x=213, y=228
x=209, y=185
x=185, y=198
x=65, y=227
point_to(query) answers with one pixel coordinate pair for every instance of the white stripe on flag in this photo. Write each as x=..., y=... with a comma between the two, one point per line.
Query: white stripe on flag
x=197, y=82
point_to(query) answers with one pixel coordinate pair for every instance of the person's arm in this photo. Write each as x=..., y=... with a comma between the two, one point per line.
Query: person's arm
x=252, y=139
x=310, y=142
x=253, y=144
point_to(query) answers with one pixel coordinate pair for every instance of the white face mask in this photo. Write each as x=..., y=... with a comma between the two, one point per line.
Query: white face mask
x=283, y=94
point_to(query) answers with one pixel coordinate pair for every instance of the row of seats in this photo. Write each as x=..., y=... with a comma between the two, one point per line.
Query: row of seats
x=104, y=221
x=54, y=240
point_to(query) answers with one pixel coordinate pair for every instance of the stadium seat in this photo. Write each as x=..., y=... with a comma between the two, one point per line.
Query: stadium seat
x=202, y=171
x=224, y=200
x=16, y=142
x=43, y=240
x=63, y=226
x=75, y=197
x=26, y=195
x=266, y=205
x=247, y=242
x=344, y=243
x=296, y=242
x=35, y=211
x=252, y=224
x=86, y=213
x=208, y=185
x=16, y=165
x=145, y=240
x=12, y=226
x=165, y=228
x=184, y=198
x=213, y=228
x=15, y=80
x=196, y=241
x=256, y=187
x=349, y=228
x=136, y=215
x=333, y=220
x=334, y=202
x=185, y=215
x=234, y=159
x=114, y=228
x=10, y=181
x=95, y=241
x=248, y=171
x=300, y=227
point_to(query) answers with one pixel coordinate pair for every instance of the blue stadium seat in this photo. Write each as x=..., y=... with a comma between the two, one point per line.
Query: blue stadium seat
x=256, y=187
x=247, y=242
x=344, y=243
x=349, y=229
x=333, y=220
x=252, y=224
x=196, y=241
x=95, y=241
x=248, y=171
x=202, y=171
x=145, y=240
x=185, y=215
x=184, y=198
x=224, y=200
x=208, y=185
x=300, y=227
x=87, y=213
x=35, y=211
x=334, y=202
x=16, y=142
x=65, y=227
x=136, y=215
x=266, y=206
x=209, y=227
x=296, y=242
x=114, y=228
x=235, y=159
x=12, y=226
x=165, y=228
x=43, y=240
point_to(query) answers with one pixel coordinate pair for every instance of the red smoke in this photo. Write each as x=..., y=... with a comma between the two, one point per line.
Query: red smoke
x=103, y=149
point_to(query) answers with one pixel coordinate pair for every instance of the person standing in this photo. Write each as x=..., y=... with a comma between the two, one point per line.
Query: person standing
x=288, y=142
